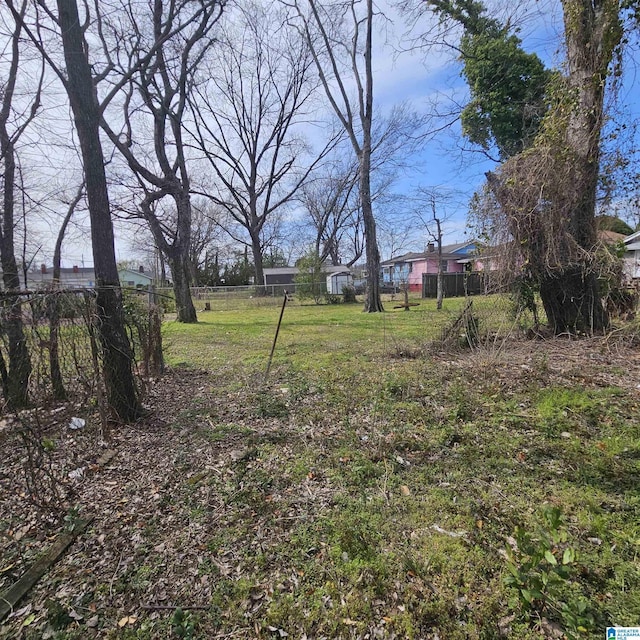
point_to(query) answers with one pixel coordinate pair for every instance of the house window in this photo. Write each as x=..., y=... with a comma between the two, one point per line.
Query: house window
x=444, y=265
x=410, y=267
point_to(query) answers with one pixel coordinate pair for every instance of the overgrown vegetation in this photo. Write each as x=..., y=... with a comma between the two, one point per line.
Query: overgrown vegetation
x=484, y=493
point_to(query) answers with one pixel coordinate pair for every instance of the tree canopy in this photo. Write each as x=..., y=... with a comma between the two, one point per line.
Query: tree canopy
x=507, y=84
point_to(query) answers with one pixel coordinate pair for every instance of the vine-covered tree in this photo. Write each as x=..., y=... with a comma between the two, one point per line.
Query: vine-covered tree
x=547, y=194
x=507, y=85
x=546, y=188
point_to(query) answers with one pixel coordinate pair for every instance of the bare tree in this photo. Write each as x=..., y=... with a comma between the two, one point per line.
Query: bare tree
x=53, y=306
x=331, y=197
x=206, y=237
x=12, y=126
x=330, y=201
x=156, y=87
x=343, y=58
x=431, y=214
x=79, y=85
x=119, y=382
x=248, y=122
x=435, y=234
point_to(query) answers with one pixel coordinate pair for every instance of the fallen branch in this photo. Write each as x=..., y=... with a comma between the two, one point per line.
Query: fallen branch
x=406, y=306
x=18, y=590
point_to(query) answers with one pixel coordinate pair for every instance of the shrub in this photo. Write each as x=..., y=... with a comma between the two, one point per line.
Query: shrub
x=310, y=281
x=349, y=294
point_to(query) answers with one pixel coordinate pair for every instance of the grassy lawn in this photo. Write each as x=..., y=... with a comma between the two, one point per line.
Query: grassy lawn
x=441, y=497
x=370, y=488
x=314, y=336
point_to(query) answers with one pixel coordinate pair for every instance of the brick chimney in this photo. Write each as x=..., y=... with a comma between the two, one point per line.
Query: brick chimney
x=75, y=268
x=431, y=247
x=43, y=268
x=141, y=269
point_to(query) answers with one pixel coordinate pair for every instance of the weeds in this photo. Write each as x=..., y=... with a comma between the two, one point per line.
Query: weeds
x=362, y=495
x=542, y=568
x=182, y=624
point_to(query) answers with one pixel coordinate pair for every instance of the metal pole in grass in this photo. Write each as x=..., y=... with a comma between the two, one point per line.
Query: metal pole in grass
x=275, y=338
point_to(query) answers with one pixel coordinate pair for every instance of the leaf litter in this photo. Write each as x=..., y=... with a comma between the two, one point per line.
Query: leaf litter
x=197, y=506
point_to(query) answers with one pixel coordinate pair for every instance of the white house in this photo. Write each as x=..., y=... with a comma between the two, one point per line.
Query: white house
x=632, y=256
x=85, y=278
x=133, y=278
x=70, y=278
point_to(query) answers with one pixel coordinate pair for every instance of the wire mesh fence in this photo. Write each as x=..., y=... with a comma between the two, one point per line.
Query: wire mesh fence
x=464, y=323
x=246, y=296
x=49, y=344
x=55, y=332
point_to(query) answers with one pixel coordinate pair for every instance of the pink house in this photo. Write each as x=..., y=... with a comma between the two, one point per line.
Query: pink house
x=409, y=267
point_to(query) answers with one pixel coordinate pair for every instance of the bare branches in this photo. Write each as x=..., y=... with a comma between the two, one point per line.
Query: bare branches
x=314, y=24
x=247, y=121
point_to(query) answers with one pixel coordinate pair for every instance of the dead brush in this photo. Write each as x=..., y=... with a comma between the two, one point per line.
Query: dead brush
x=46, y=484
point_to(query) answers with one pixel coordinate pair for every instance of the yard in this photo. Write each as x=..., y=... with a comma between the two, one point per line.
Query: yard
x=372, y=487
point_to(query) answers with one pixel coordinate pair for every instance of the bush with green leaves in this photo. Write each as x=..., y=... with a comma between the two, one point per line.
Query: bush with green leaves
x=541, y=566
x=182, y=624
x=311, y=278
x=349, y=294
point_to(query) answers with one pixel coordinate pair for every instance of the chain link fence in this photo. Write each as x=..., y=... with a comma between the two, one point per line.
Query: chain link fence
x=243, y=296
x=52, y=337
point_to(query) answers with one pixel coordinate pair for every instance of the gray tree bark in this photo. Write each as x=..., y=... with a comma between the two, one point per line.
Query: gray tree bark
x=117, y=356
x=16, y=380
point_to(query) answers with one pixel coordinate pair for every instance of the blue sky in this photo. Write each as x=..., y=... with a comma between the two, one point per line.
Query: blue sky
x=447, y=162
x=419, y=78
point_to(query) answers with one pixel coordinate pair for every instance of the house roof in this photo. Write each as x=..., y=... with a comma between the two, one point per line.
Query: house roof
x=63, y=270
x=282, y=271
x=135, y=272
x=632, y=237
x=455, y=248
x=449, y=252
x=279, y=271
x=610, y=237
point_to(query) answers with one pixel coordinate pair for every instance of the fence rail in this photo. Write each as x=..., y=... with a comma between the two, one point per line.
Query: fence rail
x=456, y=284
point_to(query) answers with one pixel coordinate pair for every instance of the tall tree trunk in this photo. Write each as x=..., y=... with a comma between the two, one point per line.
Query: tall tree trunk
x=17, y=380
x=258, y=268
x=180, y=261
x=440, y=279
x=19, y=360
x=177, y=254
x=53, y=306
x=592, y=32
x=53, y=311
x=571, y=301
x=181, y=272
x=117, y=356
x=373, y=302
